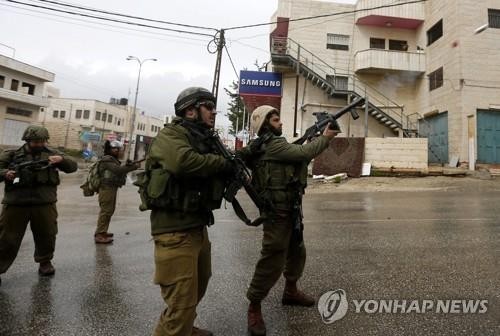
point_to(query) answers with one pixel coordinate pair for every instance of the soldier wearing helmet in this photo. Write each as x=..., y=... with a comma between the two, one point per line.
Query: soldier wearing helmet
x=186, y=185
x=112, y=176
x=30, y=197
x=279, y=174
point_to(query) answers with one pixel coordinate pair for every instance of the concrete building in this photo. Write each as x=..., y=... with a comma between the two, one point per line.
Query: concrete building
x=421, y=66
x=86, y=123
x=22, y=96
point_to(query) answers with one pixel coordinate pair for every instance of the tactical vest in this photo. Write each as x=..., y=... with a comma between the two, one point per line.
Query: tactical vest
x=163, y=190
x=33, y=177
x=111, y=179
x=279, y=184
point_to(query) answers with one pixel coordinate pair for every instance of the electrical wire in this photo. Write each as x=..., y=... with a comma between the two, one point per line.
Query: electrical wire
x=232, y=63
x=327, y=15
x=66, y=4
x=50, y=16
x=109, y=19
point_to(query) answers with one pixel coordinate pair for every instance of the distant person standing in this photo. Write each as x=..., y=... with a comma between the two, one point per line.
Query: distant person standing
x=31, y=176
x=112, y=176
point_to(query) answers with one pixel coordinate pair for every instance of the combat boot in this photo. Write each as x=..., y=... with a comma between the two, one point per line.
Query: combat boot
x=293, y=297
x=201, y=332
x=46, y=268
x=256, y=325
x=101, y=238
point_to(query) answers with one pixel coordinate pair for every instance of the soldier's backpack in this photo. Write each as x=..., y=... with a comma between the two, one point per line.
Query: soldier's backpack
x=93, y=180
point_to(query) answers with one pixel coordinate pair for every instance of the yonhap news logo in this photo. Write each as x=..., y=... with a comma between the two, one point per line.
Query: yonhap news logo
x=333, y=306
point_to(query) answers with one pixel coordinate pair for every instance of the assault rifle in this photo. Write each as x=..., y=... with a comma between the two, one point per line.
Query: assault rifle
x=325, y=118
x=242, y=179
x=31, y=165
x=130, y=162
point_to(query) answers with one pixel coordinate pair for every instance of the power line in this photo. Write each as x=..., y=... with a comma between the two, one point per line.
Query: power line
x=124, y=15
x=51, y=15
x=327, y=15
x=232, y=63
x=109, y=19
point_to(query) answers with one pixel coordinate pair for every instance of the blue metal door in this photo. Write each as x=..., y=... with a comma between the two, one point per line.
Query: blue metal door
x=488, y=136
x=436, y=130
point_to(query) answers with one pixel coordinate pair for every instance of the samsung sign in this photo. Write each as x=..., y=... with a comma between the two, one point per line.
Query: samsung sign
x=258, y=83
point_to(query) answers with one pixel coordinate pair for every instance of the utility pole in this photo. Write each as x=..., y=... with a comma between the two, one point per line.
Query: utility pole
x=67, y=127
x=220, y=42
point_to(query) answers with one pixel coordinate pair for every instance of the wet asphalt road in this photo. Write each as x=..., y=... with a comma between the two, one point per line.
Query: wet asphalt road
x=374, y=245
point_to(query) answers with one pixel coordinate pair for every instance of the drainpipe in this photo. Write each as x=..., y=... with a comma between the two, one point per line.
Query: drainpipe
x=296, y=94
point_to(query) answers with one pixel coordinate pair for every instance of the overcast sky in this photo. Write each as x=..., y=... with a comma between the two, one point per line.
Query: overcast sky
x=88, y=57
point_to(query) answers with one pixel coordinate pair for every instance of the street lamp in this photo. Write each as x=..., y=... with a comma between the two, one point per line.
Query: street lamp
x=132, y=122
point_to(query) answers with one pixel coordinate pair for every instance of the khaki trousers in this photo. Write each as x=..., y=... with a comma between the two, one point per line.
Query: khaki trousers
x=183, y=269
x=107, y=203
x=13, y=223
x=280, y=254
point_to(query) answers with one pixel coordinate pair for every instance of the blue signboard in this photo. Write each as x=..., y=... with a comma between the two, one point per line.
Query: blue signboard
x=90, y=136
x=258, y=83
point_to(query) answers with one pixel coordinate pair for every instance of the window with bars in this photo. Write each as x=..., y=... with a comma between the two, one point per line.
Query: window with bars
x=494, y=18
x=337, y=41
x=436, y=79
x=86, y=114
x=2, y=81
x=62, y=114
x=377, y=43
x=104, y=116
x=110, y=118
x=18, y=111
x=78, y=114
x=435, y=33
x=339, y=82
x=97, y=115
x=55, y=114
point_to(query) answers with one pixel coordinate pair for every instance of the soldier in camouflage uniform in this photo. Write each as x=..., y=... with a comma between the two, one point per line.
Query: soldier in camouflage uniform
x=30, y=197
x=279, y=174
x=112, y=176
x=187, y=183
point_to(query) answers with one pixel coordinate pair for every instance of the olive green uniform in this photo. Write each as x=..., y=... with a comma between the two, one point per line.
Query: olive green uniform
x=280, y=176
x=113, y=176
x=32, y=199
x=186, y=179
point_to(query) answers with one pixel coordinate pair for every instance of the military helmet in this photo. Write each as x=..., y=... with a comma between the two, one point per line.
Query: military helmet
x=259, y=116
x=33, y=132
x=115, y=144
x=190, y=96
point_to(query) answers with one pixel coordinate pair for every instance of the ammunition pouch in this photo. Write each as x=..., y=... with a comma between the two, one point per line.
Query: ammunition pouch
x=159, y=189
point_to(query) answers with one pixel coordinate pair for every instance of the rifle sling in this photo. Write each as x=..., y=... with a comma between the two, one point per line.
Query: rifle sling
x=241, y=214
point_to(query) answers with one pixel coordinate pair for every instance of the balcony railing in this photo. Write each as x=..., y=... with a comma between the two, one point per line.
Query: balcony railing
x=23, y=98
x=389, y=60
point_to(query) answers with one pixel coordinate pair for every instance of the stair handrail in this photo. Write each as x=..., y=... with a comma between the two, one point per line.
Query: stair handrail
x=288, y=46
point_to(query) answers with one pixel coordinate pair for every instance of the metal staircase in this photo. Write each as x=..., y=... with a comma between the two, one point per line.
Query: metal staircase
x=285, y=52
